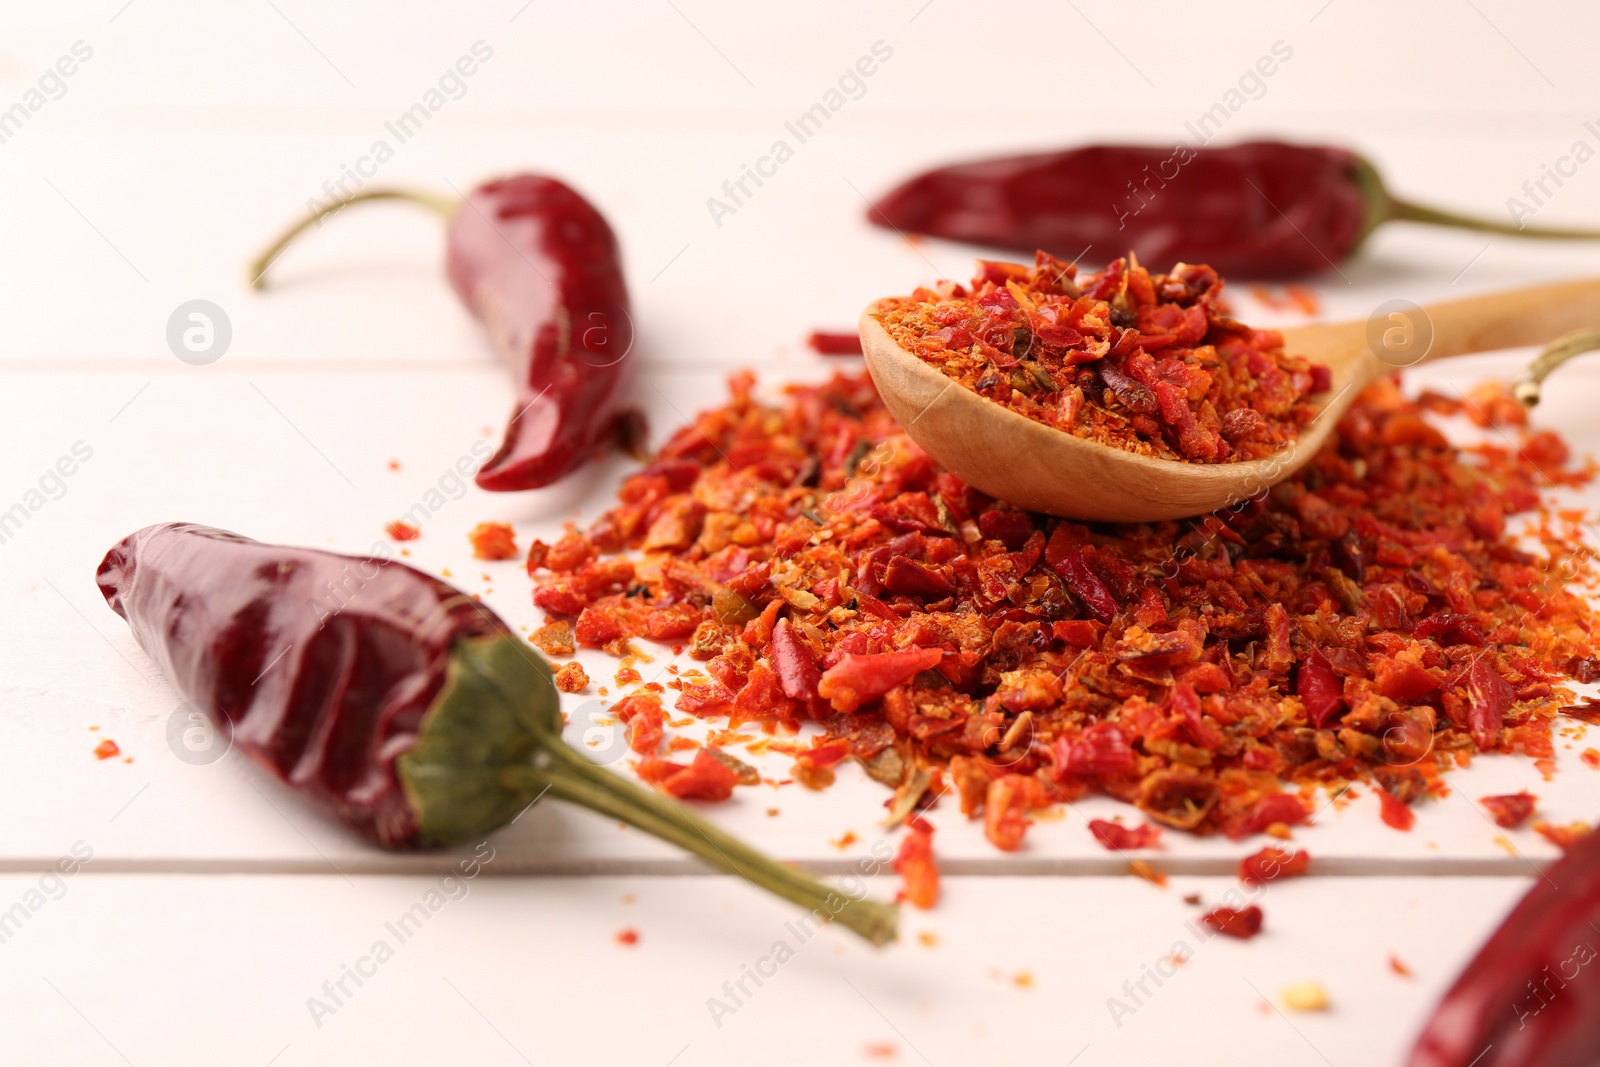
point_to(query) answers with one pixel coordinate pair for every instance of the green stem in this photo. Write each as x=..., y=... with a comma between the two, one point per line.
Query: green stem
x=571, y=777
x=1406, y=211
x=259, y=266
x=1382, y=206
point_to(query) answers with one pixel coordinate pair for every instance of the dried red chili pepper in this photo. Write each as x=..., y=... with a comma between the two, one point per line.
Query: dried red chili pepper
x=1271, y=864
x=538, y=265
x=1529, y=998
x=1260, y=209
x=825, y=343
x=1243, y=923
x=392, y=701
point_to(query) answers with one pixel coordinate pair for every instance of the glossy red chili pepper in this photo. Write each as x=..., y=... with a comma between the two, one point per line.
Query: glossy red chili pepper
x=538, y=265
x=392, y=701
x=1260, y=209
x=1531, y=996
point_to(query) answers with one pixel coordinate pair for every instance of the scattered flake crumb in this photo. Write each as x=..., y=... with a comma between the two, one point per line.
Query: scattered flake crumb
x=572, y=679
x=772, y=811
x=1191, y=898
x=1563, y=837
x=628, y=898
x=882, y=1050
x=493, y=540
x=1144, y=870
x=629, y=936
x=401, y=531
x=554, y=639
x=1399, y=967
x=1022, y=979
x=1305, y=996
x=845, y=841
x=107, y=749
x=1591, y=756
x=1178, y=958
x=1505, y=842
x=394, y=464
x=928, y=938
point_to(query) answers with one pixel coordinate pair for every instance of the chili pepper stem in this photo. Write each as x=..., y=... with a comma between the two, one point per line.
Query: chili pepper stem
x=1383, y=206
x=567, y=775
x=1406, y=211
x=258, y=268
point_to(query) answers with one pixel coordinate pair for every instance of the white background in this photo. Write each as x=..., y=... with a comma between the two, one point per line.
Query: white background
x=214, y=906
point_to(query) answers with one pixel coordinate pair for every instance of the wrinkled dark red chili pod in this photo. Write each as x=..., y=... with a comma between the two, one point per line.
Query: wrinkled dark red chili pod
x=1263, y=209
x=392, y=701
x=539, y=266
x=1531, y=996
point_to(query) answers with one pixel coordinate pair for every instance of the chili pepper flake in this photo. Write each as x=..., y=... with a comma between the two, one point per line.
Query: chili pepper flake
x=1395, y=811
x=1243, y=923
x=1398, y=967
x=823, y=570
x=844, y=840
x=1117, y=838
x=107, y=749
x=401, y=531
x=1591, y=757
x=1563, y=837
x=915, y=863
x=1148, y=363
x=628, y=936
x=554, y=638
x=1149, y=873
x=571, y=678
x=928, y=938
x=1271, y=864
x=882, y=1050
x=1510, y=810
x=493, y=540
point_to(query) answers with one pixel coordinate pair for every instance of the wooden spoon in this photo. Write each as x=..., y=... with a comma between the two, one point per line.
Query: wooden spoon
x=1040, y=468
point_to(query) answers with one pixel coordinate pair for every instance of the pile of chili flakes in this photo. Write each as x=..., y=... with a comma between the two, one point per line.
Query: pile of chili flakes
x=1369, y=619
x=1151, y=364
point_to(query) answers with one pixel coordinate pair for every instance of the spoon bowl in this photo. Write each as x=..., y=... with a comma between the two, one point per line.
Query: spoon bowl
x=1040, y=468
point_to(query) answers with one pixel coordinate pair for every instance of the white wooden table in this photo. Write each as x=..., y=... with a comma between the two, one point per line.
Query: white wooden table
x=214, y=908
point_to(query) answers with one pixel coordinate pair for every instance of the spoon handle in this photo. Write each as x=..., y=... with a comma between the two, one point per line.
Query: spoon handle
x=1404, y=336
